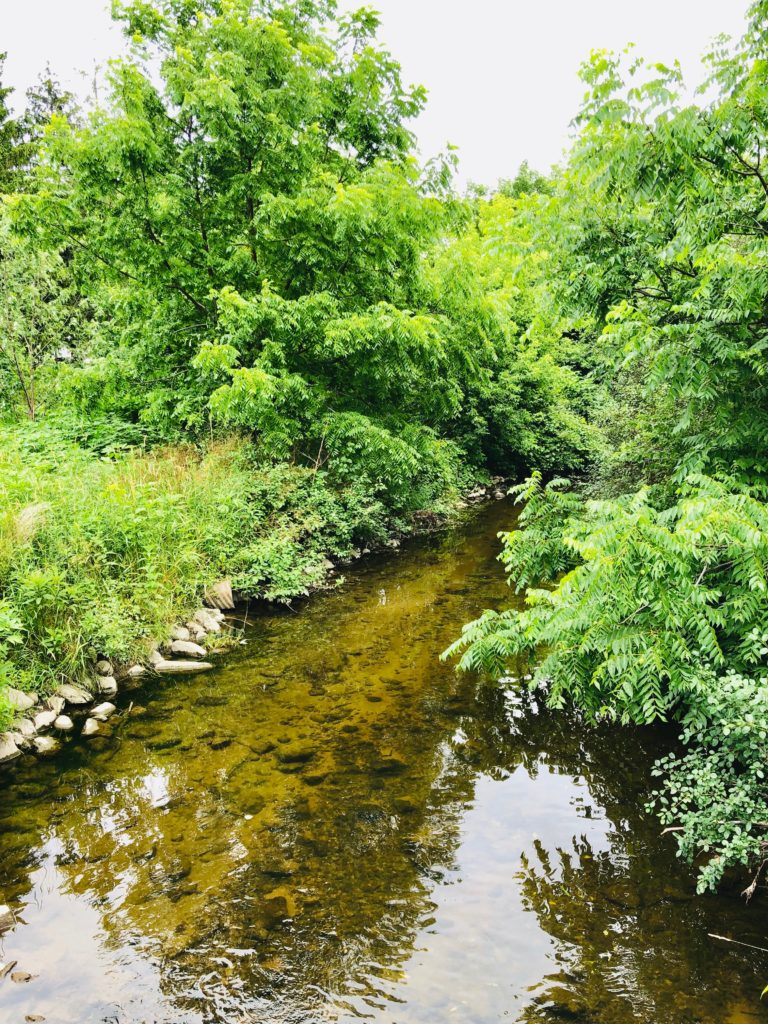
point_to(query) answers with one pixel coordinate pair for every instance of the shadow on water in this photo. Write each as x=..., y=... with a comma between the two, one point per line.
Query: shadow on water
x=334, y=826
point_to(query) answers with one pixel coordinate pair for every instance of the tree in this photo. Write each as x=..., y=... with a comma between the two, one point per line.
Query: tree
x=11, y=137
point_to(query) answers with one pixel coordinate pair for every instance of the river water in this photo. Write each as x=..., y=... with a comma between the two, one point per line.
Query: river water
x=333, y=826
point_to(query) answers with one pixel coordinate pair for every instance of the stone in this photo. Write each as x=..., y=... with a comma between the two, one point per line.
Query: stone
x=196, y=631
x=74, y=694
x=45, y=746
x=63, y=723
x=220, y=596
x=44, y=720
x=295, y=753
x=104, y=711
x=20, y=701
x=104, y=667
x=55, y=704
x=180, y=633
x=34, y=1018
x=7, y=919
x=136, y=671
x=107, y=686
x=171, y=667
x=90, y=728
x=8, y=749
x=188, y=648
x=26, y=728
x=499, y=494
x=20, y=977
x=206, y=619
x=154, y=657
x=328, y=564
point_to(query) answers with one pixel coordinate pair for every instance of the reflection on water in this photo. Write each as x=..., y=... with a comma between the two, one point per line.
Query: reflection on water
x=334, y=826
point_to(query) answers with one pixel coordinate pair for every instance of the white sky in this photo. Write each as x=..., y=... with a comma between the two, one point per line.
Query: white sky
x=501, y=74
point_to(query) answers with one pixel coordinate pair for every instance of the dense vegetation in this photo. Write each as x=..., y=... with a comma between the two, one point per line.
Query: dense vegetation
x=243, y=329
x=647, y=586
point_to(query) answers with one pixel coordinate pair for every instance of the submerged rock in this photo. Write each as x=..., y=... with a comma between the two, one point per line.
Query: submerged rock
x=295, y=753
x=74, y=694
x=187, y=647
x=45, y=746
x=8, y=749
x=169, y=667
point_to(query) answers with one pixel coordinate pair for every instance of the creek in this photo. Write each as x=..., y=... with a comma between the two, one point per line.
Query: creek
x=334, y=826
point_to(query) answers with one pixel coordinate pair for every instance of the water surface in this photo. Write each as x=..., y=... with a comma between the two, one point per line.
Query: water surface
x=333, y=826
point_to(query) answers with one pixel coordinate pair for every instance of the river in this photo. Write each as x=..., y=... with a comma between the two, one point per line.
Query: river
x=333, y=826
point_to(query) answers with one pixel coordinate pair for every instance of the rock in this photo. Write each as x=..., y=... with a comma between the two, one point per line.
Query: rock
x=74, y=694
x=7, y=919
x=187, y=647
x=55, y=704
x=154, y=657
x=499, y=494
x=136, y=671
x=295, y=753
x=107, y=686
x=104, y=667
x=45, y=746
x=328, y=564
x=20, y=701
x=63, y=723
x=171, y=667
x=8, y=750
x=180, y=633
x=44, y=720
x=206, y=619
x=394, y=543
x=90, y=728
x=21, y=976
x=196, y=631
x=5, y=969
x=34, y=1018
x=220, y=595
x=26, y=728
x=104, y=711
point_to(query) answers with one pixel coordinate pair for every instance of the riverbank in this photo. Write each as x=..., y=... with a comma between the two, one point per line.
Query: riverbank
x=105, y=564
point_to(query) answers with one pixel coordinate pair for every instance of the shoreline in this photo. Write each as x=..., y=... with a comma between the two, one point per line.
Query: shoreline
x=81, y=709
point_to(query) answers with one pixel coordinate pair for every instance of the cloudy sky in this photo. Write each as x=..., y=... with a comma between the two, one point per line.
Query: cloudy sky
x=501, y=74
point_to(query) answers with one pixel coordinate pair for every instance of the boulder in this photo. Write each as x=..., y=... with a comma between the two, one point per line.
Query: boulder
x=45, y=746
x=154, y=657
x=207, y=620
x=8, y=750
x=180, y=633
x=104, y=711
x=44, y=720
x=104, y=667
x=188, y=648
x=26, y=728
x=63, y=723
x=74, y=694
x=220, y=596
x=136, y=671
x=171, y=667
x=20, y=701
x=55, y=704
x=107, y=686
x=196, y=631
x=90, y=728
x=7, y=919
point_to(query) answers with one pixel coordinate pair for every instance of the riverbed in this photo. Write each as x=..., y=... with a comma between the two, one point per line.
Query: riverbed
x=334, y=826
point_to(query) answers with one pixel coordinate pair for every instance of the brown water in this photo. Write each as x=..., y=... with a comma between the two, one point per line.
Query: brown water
x=333, y=826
